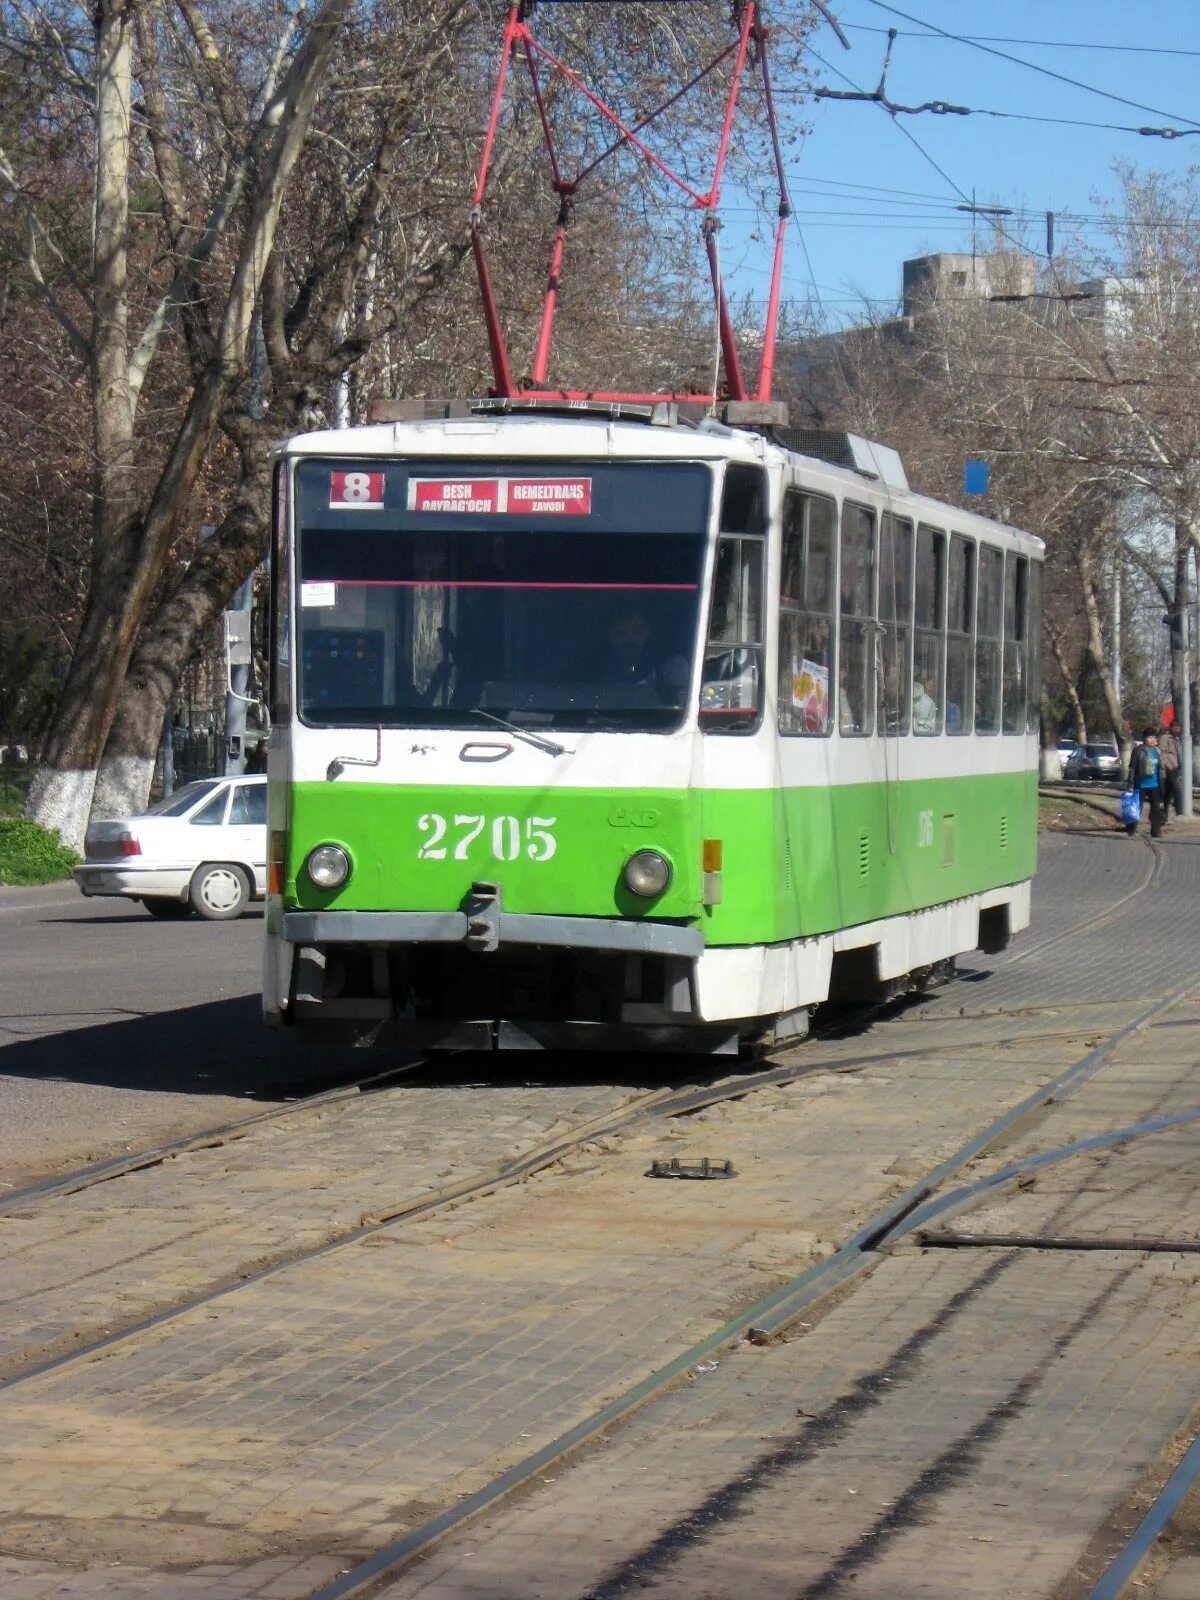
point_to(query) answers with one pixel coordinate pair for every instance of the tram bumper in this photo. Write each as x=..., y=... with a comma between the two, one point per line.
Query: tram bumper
x=478, y=929
x=486, y=978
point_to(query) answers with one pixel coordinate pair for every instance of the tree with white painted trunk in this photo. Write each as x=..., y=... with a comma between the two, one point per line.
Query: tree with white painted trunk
x=134, y=521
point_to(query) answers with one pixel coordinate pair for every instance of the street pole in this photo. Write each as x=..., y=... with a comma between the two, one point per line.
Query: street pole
x=167, y=750
x=1185, y=699
x=235, y=702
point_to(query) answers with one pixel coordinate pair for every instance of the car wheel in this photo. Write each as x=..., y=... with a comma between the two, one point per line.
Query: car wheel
x=168, y=910
x=219, y=891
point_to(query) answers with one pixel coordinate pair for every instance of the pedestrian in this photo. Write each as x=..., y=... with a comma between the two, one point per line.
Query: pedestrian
x=1172, y=760
x=1145, y=780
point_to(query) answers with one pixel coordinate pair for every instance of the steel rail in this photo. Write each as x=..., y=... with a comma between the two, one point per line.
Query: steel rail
x=206, y=1138
x=670, y=1102
x=667, y=1102
x=766, y=1316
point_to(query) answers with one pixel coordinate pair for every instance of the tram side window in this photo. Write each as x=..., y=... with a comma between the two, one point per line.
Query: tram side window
x=1033, y=673
x=1016, y=624
x=856, y=670
x=929, y=695
x=806, y=614
x=280, y=690
x=895, y=613
x=960, y=628
x=989, y=632
x=744, y=501
x=730, y=687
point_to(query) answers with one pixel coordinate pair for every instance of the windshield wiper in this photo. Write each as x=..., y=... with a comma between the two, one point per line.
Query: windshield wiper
x=535, y=739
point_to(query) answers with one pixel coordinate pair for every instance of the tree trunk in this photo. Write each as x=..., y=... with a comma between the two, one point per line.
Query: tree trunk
x=1088, y=565
x=172, y=637
x=129, y=549
x=1068, y=678
x=61, y=792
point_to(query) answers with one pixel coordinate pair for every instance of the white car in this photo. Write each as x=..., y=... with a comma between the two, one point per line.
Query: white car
x=202, y=849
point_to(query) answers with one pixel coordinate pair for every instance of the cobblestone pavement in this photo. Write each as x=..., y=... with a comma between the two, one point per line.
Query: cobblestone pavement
x=257, y=1445
x=118, y=1252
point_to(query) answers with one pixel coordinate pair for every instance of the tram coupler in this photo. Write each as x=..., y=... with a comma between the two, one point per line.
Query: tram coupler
x=484, y=906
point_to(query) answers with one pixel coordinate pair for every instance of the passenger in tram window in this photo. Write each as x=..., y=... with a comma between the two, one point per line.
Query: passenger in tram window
x=925, y=711
x=954, y=720
x=847, y=721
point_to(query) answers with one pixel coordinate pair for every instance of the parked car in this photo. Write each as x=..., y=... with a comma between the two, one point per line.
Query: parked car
x=202, y=849
x=1095, y=761
x=1066, y=749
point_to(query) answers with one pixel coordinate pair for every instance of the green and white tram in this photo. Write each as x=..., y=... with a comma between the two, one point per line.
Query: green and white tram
x=600, y=729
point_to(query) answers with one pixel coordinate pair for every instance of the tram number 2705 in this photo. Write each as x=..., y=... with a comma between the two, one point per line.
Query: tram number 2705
x=508, y=837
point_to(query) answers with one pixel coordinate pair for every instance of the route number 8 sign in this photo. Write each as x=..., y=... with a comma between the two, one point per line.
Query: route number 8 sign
x=356, y=491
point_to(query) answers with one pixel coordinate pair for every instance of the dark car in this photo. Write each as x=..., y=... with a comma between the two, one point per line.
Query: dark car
x=1102, y=761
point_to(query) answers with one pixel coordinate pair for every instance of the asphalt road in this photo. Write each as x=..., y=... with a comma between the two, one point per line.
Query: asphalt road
x=116, y=1029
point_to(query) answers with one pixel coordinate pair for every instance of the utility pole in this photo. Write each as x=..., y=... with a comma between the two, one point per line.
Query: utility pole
x=1185, y=699
x=167, y=752
x=237, y=656
x=1116, y=625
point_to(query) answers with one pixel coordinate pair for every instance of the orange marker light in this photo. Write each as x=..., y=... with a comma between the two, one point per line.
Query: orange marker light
x=712, y=855
x=276, y=877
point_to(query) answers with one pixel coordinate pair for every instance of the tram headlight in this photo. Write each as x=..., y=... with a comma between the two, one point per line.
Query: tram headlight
x=328, y=866
x=647, y=873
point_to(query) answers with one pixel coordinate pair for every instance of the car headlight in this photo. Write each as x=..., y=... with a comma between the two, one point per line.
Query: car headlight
x=647, y=873
x=328, y=866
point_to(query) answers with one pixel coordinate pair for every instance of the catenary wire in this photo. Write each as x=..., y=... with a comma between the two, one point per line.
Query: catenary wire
x=1040, y=44
x=1032, y=66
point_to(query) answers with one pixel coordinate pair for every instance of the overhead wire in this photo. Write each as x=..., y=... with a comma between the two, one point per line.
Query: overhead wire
x=1040, y=44
x=1032, y=66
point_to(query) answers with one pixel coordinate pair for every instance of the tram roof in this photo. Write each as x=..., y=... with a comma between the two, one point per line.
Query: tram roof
x=571, y=436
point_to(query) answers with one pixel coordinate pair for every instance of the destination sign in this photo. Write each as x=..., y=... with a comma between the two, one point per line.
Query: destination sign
x=553, y=497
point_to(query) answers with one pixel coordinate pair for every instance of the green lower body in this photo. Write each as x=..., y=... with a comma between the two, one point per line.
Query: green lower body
x=794, y=863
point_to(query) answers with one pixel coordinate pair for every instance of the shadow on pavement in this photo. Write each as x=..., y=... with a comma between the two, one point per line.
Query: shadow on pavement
x=219, y=1048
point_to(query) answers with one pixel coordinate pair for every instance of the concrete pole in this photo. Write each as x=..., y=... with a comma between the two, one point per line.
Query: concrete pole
x=1185, y=699
x=1116, y=626
x=235, y=708
x=167, y=751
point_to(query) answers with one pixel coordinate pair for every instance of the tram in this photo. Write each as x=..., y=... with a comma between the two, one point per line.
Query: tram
x=620, y=726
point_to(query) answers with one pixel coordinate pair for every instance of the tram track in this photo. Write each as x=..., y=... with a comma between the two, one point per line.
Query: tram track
x=59, y=1185
x=663, y=1103
x=666, y=1102
x=767, y=1317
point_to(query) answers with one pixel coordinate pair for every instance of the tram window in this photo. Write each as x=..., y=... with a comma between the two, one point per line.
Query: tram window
x=1016, y=622
x=895, y=613
x=806, y=614
x=1033, y=645
x=989, y=631
x=280, y=690
x=856, y=672
x=744, y=503
x=928, y=643
x=731, y=683
x=960, y=630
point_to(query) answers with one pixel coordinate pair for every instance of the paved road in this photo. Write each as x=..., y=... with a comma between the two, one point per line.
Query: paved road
x=117, y=1028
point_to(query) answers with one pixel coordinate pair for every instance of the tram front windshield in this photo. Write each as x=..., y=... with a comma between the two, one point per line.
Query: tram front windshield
x=436, y=594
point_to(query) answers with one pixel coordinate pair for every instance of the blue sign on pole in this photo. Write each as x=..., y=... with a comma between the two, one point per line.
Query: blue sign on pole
x=975, y=477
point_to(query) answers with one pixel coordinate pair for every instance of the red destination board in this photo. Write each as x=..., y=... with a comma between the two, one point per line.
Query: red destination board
x=554, y=497
x=477, y=495
x=356, y=491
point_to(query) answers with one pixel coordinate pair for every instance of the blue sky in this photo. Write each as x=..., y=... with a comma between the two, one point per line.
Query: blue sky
x=865, y=196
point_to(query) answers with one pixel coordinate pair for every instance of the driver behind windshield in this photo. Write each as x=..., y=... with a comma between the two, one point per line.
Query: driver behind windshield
x=632, y=655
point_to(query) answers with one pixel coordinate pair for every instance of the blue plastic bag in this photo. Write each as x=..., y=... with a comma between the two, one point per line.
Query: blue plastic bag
x=1131, y=806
